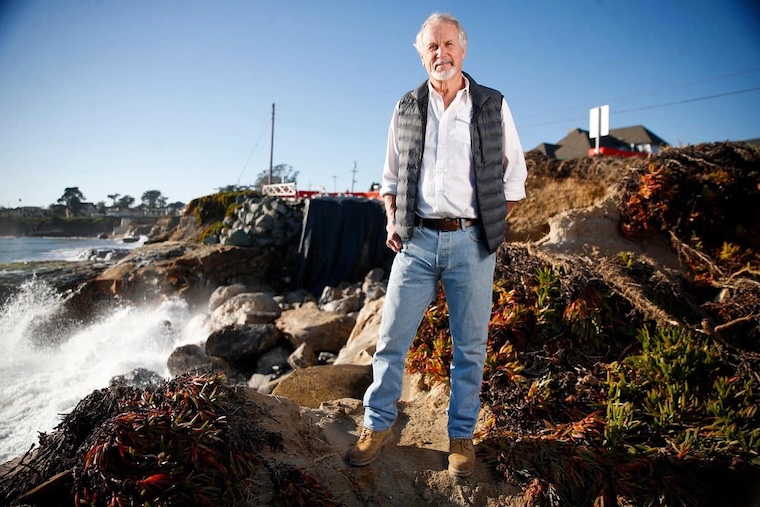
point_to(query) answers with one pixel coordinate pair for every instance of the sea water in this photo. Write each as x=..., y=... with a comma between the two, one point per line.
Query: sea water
x=25, y=249
x=42, y=379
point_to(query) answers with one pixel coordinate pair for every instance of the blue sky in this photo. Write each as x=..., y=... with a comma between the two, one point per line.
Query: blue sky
x=176, y=95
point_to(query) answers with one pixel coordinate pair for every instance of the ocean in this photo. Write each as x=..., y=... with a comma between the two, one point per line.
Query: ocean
x=24, y=249
x=44, y=377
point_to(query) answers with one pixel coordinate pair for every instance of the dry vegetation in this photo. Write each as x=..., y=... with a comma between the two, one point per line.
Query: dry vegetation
x=614, y=381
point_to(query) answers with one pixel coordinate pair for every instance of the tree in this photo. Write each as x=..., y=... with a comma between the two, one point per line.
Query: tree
x=281, y=173
x=153, y=199
x=125, y=202
x=113, y=198
x=72, y=197
x=101, y=206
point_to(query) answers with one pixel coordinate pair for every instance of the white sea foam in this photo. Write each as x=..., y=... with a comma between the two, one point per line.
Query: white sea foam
x=42, y=382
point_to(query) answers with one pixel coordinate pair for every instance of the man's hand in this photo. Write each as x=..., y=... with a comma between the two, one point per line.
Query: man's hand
x=393, y=241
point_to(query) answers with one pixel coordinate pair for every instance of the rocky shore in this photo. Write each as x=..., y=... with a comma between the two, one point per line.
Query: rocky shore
x=297, y=363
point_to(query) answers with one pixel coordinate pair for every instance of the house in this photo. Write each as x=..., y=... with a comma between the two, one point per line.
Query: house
x=628, y=140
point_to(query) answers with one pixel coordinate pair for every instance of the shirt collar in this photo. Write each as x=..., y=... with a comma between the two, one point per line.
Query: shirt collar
x=464, y=91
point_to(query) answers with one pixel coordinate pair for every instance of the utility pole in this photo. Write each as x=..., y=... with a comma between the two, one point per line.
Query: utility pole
x=271, y=148
x=353, y=178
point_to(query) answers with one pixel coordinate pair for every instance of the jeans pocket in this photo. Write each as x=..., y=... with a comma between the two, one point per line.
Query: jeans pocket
x=475, y=233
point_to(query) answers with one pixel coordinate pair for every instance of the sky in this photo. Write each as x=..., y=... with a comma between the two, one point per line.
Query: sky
x=126, y=96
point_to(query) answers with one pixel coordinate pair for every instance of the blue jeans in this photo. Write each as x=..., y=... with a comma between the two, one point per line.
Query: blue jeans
x=461, y=261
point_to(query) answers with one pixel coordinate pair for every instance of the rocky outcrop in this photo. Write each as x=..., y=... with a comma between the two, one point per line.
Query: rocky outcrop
x=171, y=268
x=265, y=223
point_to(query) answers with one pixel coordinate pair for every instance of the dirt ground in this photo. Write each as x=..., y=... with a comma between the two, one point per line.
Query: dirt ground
x=411, y=469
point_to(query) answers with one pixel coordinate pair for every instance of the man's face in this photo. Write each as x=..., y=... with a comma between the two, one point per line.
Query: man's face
x=442, y=55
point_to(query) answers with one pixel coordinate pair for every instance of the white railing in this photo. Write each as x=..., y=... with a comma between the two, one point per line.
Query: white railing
x=279, y=189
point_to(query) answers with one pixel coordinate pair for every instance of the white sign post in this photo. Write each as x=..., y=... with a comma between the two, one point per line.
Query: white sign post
x=599, y=124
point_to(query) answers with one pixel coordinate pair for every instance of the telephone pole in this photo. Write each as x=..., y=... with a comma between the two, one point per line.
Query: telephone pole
x=353, y=178
x=271, y=148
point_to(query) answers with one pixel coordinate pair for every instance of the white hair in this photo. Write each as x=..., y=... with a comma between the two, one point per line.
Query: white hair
x=436, y=19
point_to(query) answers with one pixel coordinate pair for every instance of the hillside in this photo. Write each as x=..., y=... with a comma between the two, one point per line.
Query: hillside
x=622, y=369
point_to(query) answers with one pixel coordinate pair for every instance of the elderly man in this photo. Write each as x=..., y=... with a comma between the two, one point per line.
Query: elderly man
x=453, y=169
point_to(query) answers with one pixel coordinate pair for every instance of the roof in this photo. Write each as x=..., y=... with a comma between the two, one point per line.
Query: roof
x=547, y=149
x=637, y=135
x=577, y=142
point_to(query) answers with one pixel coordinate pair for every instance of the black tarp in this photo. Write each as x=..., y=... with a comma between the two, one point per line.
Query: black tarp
x=342, y=239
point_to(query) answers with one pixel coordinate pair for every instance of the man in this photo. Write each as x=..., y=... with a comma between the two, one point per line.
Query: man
x=453, y=169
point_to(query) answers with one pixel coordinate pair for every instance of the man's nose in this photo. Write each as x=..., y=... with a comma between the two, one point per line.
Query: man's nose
x=439, y=52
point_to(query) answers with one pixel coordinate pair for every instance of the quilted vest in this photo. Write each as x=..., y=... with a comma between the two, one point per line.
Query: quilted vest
x=487, y=155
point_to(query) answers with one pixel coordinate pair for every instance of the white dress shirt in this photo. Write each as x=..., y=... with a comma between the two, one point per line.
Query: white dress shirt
x=447, y=178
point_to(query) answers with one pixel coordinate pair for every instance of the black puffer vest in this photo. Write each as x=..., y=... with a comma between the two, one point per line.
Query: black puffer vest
x=486, y=134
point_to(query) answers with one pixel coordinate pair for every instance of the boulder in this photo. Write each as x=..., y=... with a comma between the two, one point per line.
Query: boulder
x=224, y=293
x=274, y=360
x=361, y=344
x=322, y=330
x=246, y=308
x=298, y=298
x=262, y=383
x=242, y=343
x=140, y=378
x=344, y=305
x=302, y=357
x=191, y=357
x=310, y=387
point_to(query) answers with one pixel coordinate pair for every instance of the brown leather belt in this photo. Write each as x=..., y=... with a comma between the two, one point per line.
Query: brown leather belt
x=445, y=224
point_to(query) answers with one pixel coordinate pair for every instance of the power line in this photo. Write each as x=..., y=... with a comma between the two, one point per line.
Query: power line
x=245, y=166
x=654, y=106
x=696, y=99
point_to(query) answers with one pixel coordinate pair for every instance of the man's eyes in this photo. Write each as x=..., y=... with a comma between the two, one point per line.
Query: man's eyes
x=434, y=47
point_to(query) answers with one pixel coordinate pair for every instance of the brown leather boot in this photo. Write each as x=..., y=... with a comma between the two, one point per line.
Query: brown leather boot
x=461, y=457
x=367, y=448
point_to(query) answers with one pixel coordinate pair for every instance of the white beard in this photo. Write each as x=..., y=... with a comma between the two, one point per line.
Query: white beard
x=443, y=75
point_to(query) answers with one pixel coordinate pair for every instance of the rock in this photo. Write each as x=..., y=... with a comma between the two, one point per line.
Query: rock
x=374, y=275
x=297, y=298
x=191, y=357
x=274, y=360
x=302, y=357
x=344, y=305
x=238, y=238
x=242, y=344
x=374, y=291
x=326, y=358
x=264, y=384
x=329, y=294
x=171, y=268
x=140, y=378
x=361, y=344
x=246, y=308
x=223, y=293
x=322, y=330
x=310, y=387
